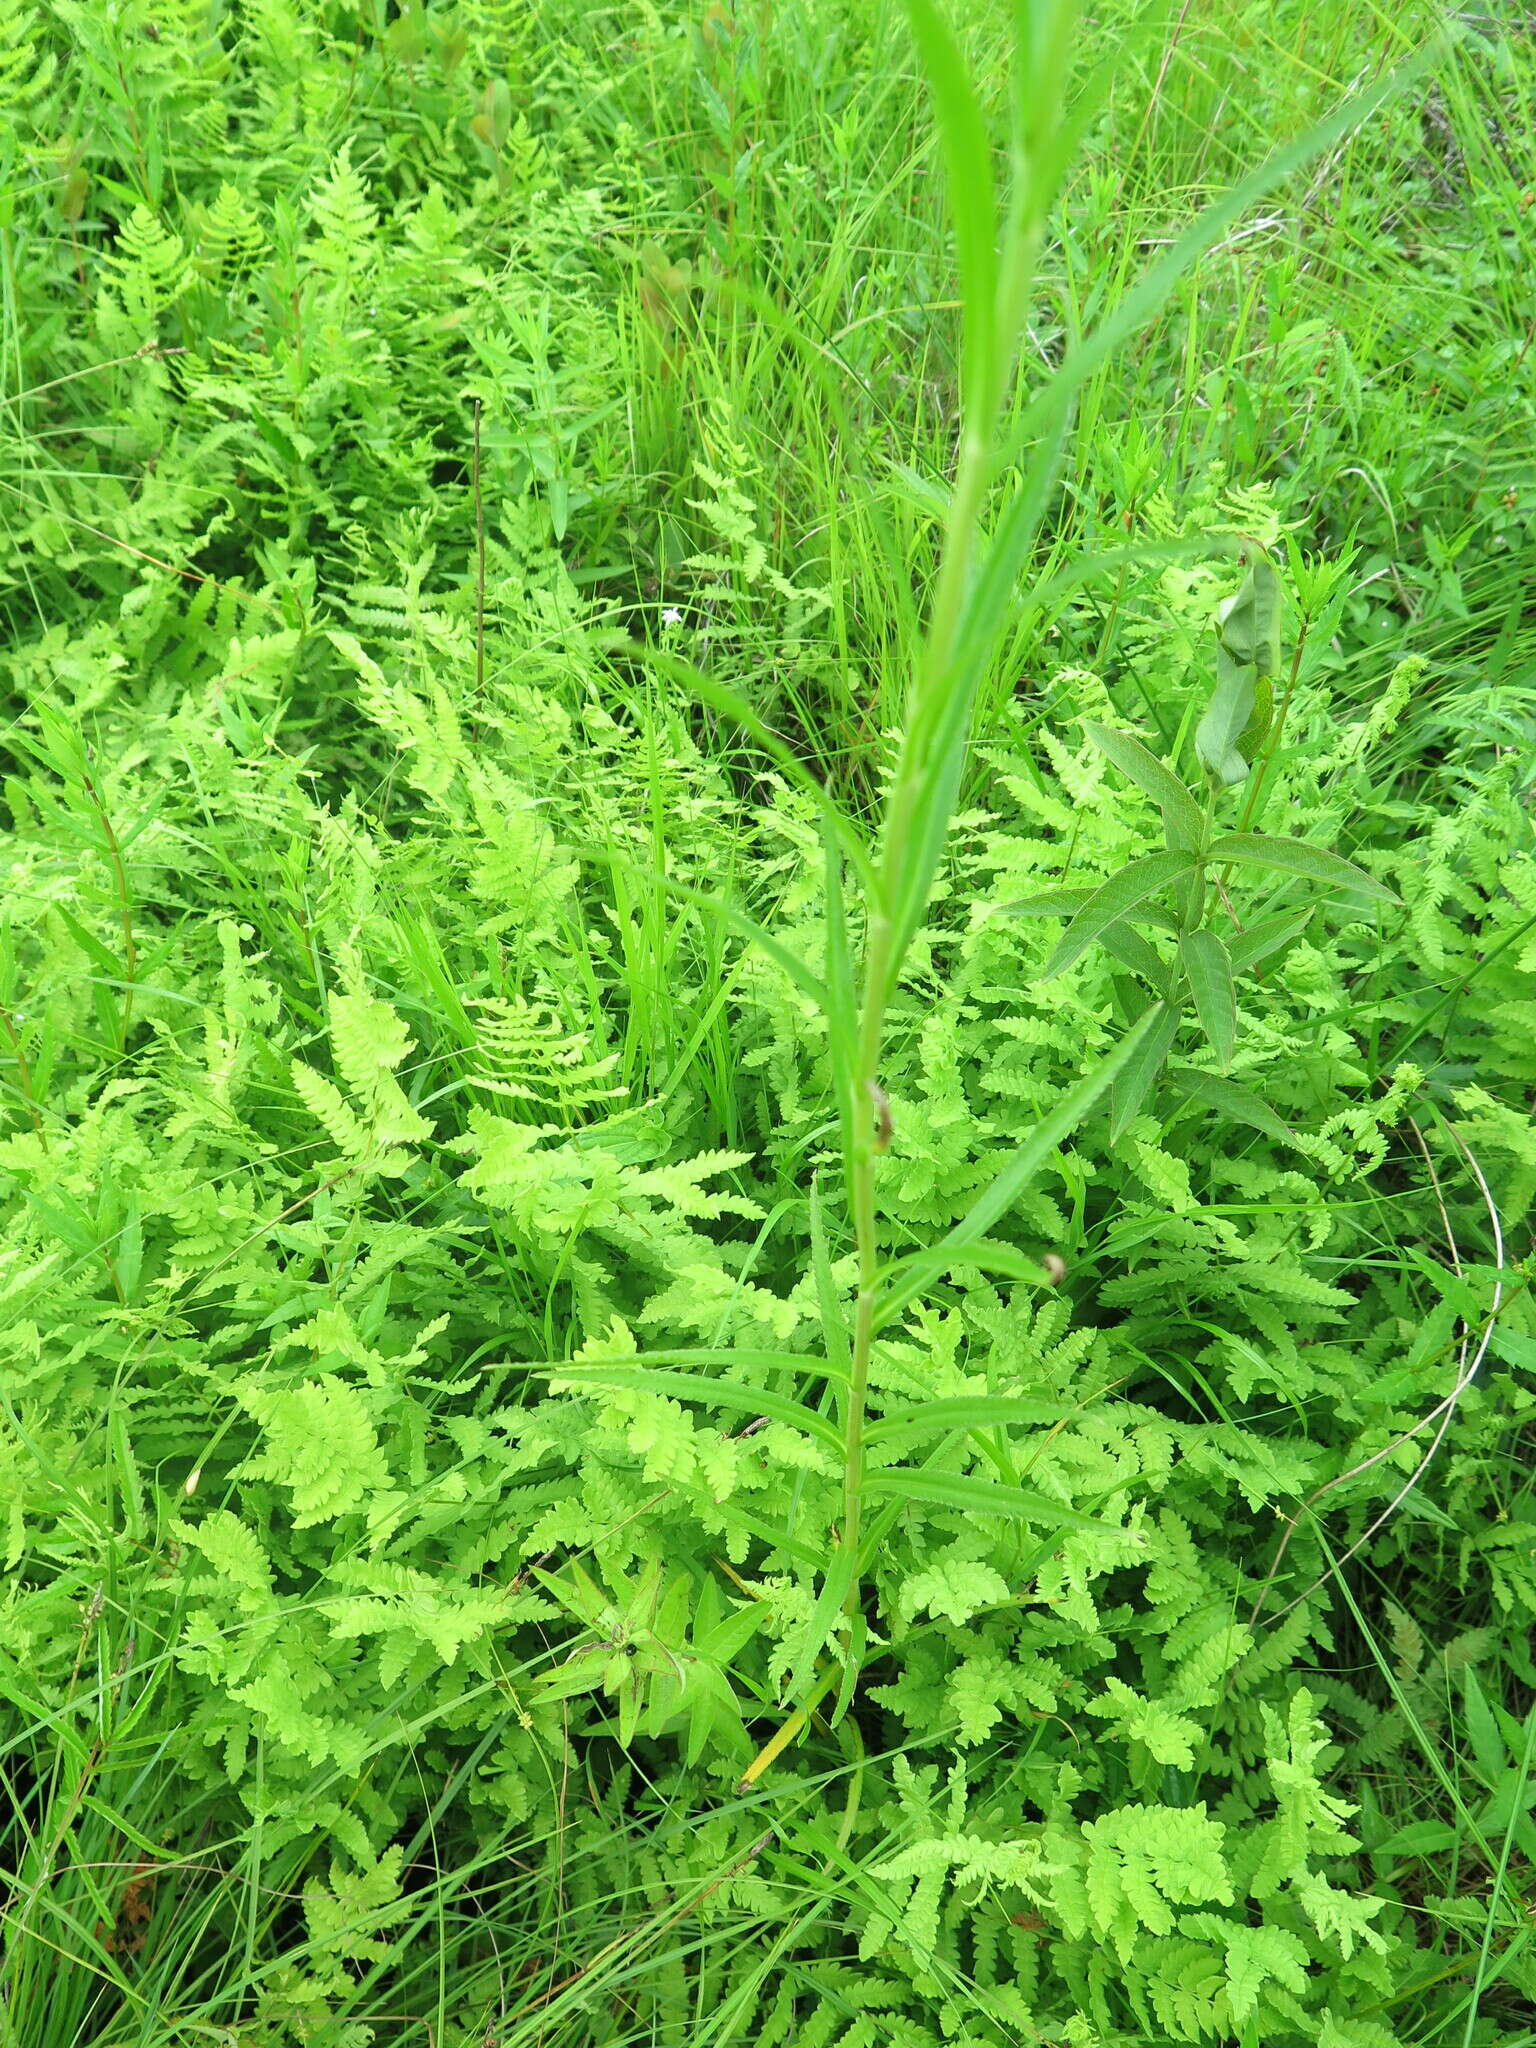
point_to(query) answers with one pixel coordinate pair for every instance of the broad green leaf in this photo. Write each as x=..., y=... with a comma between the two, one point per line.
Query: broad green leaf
x=1182, y=815
x=1296, y=857
x=1239, y=703
x=1157, y=1030
x=965, y=1411
x=978, y=1497
x=1209, y=974
x=1120, y=894
x=1238, y=1105
x=692, y=1386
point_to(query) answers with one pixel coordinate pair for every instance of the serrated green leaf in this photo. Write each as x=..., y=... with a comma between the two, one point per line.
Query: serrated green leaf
x=1209, y=974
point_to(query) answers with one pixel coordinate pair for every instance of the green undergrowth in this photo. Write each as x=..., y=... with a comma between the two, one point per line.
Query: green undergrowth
x=475, y=486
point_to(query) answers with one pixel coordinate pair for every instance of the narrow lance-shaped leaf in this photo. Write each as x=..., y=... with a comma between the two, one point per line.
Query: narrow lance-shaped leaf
x=1237, y=1105
x=914, y=1274
x=1141, y=302
x=972, y=198
x=1118, y=896
x=980, y=1497
x=1132, y=950
x=1249, y=947
x=1182, y=816
x=687, y=1386
x=1068, y=902
x=967, y=1411
x=1297, y=857
x=1209, y=974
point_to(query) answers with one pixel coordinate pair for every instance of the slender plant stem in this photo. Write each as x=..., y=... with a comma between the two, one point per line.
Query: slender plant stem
x=23, y=1074
x=479, y=574
x=870, y=1126
x=124, y=908
x=1277, y=728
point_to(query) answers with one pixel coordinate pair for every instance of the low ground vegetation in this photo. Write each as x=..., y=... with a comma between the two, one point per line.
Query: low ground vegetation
x=728, y=1313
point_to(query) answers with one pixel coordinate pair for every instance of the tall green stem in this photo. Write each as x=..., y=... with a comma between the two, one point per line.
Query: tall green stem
x=880, y=966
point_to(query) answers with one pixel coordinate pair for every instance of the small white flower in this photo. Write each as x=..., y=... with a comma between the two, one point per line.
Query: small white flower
x=671, y=616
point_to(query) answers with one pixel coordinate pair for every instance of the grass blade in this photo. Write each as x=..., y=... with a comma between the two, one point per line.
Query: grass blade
x=972, y=196
x=978, y=1497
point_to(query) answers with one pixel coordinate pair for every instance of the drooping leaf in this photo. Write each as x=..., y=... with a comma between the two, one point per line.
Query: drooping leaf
x=1247, y=658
